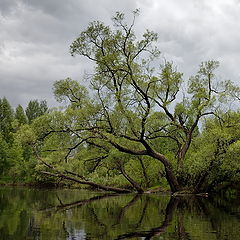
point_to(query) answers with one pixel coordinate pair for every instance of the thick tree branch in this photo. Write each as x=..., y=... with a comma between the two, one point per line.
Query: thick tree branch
x=89, y=183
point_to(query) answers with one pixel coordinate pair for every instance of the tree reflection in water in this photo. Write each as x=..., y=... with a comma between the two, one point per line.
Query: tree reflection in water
x=158, y=230
x=72, y=214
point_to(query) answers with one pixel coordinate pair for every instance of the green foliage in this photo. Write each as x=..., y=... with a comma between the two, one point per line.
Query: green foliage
x=4, y=155
x=20, y=115
x=6, y=118
x=69, y=90
x=17, y=160
x=35, y=109
x=216, y=152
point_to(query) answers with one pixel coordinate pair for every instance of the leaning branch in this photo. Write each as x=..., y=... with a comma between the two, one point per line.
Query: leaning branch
x=83, y=180
x=89, y=183
x=127, y=150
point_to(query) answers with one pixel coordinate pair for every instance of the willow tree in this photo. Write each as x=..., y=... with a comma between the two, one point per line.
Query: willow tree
x=136, y=104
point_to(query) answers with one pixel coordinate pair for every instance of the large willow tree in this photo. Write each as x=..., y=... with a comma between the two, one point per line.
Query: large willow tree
x=136, y=103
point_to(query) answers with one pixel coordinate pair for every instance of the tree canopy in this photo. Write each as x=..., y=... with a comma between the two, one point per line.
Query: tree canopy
x=138, y=108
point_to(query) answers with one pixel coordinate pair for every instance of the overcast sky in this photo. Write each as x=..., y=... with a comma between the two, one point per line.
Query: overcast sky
x=35, y=36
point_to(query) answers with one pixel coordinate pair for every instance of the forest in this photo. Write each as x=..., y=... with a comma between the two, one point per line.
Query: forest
x=137, y=125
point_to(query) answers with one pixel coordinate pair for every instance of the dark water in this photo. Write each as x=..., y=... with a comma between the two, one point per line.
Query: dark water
x=76, y=214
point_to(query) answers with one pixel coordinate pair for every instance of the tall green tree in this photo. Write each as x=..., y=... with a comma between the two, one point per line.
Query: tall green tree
x=35, y=109
x=20, y=115
x=6, y=136
x=6, y=118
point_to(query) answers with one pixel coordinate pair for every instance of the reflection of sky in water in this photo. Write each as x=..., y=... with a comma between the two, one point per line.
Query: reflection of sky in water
x=75, y=234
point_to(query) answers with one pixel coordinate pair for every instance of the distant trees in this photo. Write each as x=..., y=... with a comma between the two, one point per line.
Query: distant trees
x=35, y=109
x=16, y=158
x=6, y=118
x=4, y=159
x=20, y=115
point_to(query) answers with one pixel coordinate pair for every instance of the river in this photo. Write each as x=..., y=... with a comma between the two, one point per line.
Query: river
x=71, y=214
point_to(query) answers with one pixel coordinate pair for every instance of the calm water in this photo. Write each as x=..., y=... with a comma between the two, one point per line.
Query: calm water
x=76, y=214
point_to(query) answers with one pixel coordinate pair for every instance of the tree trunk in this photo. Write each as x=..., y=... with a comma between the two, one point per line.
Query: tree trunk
x=134, y=184
x=144, y=171
x=183, y=151
x=170, y=176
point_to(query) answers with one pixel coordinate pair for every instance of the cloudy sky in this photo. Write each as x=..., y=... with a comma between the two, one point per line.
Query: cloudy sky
x=35, y=36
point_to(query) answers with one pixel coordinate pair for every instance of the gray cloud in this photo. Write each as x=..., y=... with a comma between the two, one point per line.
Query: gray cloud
x=35, y=37
x=7, y=6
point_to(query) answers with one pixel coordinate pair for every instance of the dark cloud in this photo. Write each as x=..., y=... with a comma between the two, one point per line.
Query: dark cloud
x=7, y=6
x=35, y=37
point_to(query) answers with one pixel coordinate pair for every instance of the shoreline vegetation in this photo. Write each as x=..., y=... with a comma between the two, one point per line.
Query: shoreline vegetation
x=139, y=125
x=233, y=192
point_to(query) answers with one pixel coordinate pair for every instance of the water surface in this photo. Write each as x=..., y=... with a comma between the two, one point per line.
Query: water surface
x=27, y=213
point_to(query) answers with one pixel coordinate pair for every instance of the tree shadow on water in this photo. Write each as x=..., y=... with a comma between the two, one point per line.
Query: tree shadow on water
x=144, y=216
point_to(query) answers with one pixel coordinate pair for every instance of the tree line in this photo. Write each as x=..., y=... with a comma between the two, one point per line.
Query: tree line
x=17, y=160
